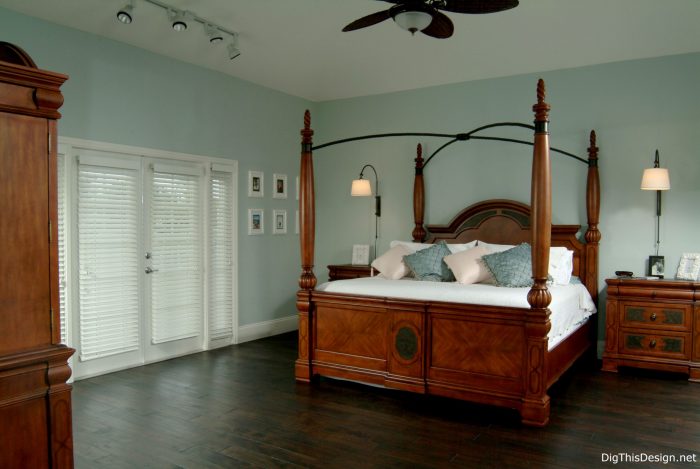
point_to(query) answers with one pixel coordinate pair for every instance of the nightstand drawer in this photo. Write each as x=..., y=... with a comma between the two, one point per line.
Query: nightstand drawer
x=659, y=316
x=654, y=344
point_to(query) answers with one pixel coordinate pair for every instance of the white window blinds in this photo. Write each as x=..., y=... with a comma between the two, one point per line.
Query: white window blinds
x=62, y=283
x=108, y=221
x=221, y=255
x=176, y=281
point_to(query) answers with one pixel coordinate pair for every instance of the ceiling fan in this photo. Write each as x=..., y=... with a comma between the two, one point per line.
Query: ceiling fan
x=425, y=15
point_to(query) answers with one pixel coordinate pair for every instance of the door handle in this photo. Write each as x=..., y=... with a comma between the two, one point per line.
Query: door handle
x=150, y=271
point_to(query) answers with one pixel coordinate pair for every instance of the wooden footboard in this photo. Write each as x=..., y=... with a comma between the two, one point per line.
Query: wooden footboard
x=471, y=352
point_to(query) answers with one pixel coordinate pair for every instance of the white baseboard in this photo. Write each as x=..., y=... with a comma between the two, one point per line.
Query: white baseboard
x=260, y=330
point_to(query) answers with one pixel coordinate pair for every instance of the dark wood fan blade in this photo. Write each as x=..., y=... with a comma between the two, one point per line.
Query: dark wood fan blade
x=477, y=6
x=368, y=20
x=441, y=27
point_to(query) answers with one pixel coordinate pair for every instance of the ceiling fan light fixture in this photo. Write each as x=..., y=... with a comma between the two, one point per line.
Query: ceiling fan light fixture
x=124, y=13
x=413, y=20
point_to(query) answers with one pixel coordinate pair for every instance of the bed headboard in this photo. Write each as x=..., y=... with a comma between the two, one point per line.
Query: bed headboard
x=500, y=221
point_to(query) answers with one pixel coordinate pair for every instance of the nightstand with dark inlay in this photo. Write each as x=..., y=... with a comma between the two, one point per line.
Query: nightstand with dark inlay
x=346, y=271
x=653, y=324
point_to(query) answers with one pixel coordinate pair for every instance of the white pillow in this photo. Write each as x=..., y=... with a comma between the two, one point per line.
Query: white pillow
x=415, y=247
x=455, y=248
x=561, y=265
x=466, y=268
x=496, y=247
x=391, y=264
x=412, y=247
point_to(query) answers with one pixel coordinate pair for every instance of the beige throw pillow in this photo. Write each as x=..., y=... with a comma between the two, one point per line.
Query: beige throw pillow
x=391, y=264
x=466, y=267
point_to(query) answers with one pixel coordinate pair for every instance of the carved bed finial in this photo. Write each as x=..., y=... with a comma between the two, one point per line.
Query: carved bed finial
x=541, y=109
x=418, y=232
x=541, y=91
x=306, y=132
x=592, y=148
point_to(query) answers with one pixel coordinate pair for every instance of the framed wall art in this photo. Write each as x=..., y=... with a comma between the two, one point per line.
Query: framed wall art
x=279, y=220
x=256, y=184
x=279, y=188
x=256, y=221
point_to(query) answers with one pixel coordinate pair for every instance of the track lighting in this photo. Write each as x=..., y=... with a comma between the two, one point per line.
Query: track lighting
x=213, y=33
x=124, y=14
x=180, y=21
x=178, y=18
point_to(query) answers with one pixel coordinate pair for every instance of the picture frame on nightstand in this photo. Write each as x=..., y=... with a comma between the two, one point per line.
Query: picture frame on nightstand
x=689, y=266
x=656, y=266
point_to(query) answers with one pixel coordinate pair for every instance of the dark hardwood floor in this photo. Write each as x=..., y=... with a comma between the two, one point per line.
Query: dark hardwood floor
x=240, y=407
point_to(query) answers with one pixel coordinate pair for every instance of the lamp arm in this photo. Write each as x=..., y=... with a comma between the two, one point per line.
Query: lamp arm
x=377, y=197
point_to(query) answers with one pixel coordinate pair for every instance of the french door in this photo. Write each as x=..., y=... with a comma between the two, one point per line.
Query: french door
x=144, y=229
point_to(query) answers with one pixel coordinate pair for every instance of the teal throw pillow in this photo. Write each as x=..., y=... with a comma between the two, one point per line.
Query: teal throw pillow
x=427, y=264
x=511, y=268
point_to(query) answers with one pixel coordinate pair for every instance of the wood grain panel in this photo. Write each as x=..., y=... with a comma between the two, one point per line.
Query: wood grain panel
x=491, y=349
x=351, y=332
x=24, y=234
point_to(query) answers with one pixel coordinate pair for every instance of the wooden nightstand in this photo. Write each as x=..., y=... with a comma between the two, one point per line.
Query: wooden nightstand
x=345, y=271
x=653, y=324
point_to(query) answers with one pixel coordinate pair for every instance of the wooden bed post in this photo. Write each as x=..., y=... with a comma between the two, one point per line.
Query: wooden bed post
x=593, y=210
x=307, y=229
x=535, y=407
x=418, y=198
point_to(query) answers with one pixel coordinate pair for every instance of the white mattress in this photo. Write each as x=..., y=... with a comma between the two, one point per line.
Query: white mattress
x=571, y=305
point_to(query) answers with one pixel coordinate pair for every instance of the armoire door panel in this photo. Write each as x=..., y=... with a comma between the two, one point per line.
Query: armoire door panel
x=25, y=294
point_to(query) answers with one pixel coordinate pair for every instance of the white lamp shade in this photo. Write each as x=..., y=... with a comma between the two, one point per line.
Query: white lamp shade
x=655, y=179
x=413, y=20
x=361, y=188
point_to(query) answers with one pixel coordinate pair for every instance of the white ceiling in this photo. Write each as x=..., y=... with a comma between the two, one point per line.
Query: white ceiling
x=296, y=46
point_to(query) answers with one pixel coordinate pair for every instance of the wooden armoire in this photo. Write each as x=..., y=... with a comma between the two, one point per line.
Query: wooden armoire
x=35, y=400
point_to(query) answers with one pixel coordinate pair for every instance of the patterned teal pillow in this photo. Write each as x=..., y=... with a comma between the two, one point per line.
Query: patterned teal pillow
x=427, y=264
x=511, y=268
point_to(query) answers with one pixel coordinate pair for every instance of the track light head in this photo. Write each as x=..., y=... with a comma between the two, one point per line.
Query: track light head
x=233, y=50
x=213, y=33
x=124, y=15
x=178, y=19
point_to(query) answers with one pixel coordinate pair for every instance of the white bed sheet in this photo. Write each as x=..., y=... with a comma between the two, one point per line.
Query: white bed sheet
x=571, y=305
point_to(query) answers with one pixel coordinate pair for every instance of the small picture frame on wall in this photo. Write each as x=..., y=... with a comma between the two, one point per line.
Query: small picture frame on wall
x=256, y=221
x=279, y=220
x=689, y=266
x=279, y=188
x=360, y=254
x=656, y=267
x=256, y=184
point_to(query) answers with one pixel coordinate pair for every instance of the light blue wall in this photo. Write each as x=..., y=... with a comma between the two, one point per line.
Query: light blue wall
x=635, y=107
x=121, y=94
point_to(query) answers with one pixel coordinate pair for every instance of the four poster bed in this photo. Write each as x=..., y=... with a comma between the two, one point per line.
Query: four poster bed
x=495, y=355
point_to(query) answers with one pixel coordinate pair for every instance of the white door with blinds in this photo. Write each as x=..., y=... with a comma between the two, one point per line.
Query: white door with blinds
x=108, y=299
x=221, y=255
x=146, y=256
x=174, y=264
